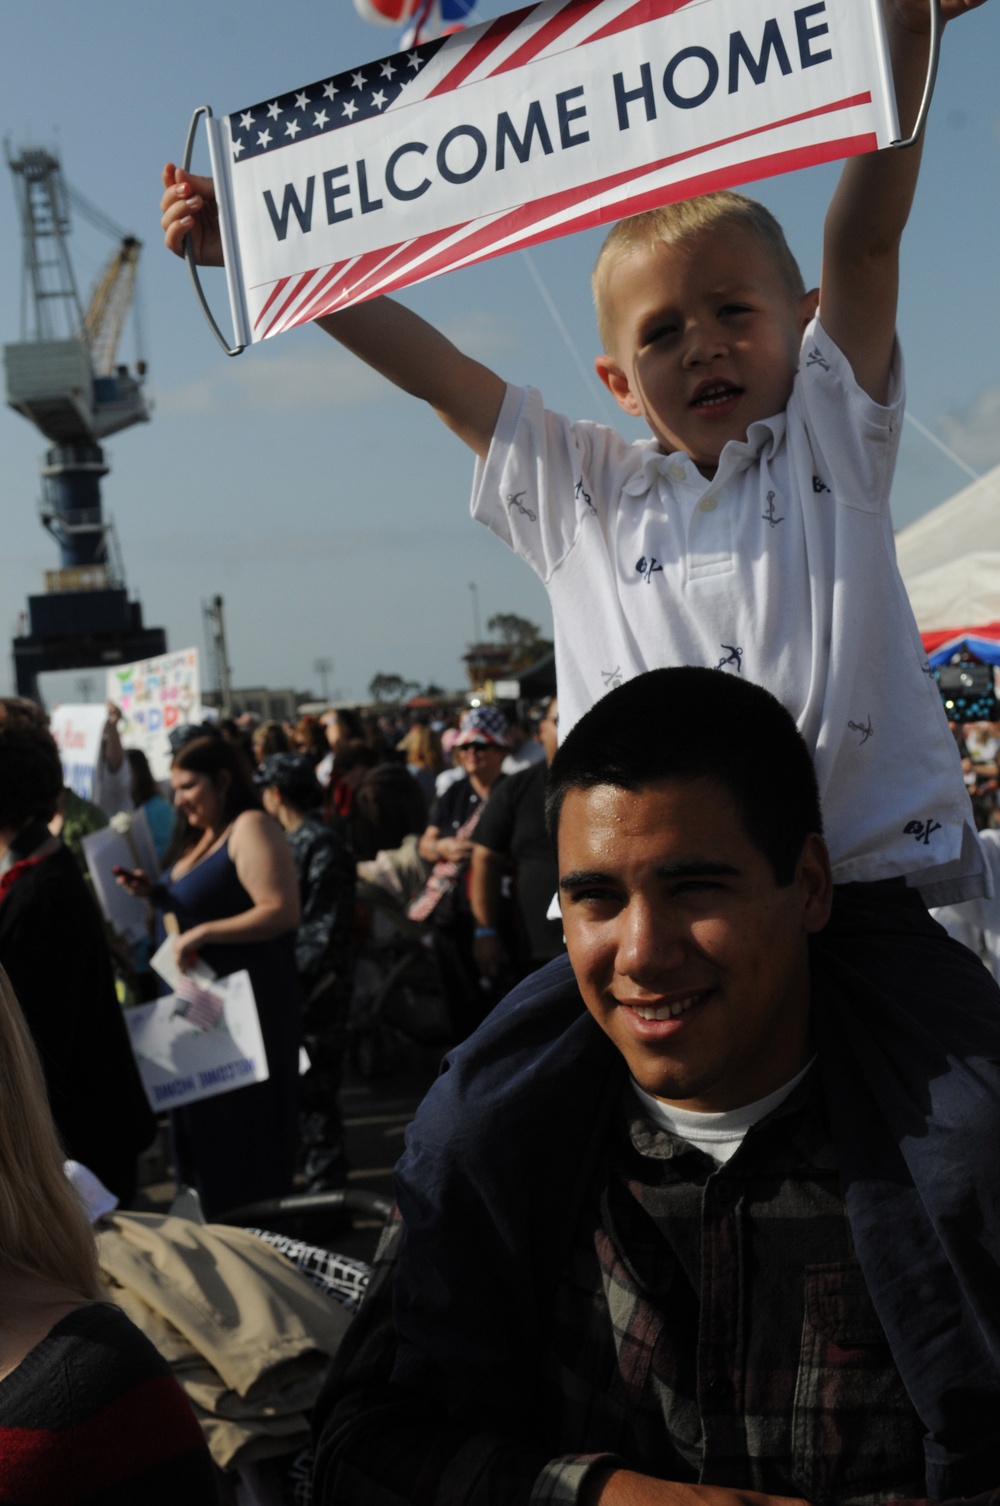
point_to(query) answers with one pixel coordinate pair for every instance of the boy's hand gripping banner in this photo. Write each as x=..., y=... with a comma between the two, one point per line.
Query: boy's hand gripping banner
x=550, y=119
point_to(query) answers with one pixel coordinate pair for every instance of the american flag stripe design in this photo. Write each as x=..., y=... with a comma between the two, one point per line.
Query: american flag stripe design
x=391, y=267
x=201, y=1007
x=545, y=37
x=534, y=33
x=637, y=15
x=480, y=50
x=432, y=69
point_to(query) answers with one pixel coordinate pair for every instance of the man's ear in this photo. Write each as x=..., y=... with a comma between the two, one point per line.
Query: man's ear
x=816, y=882
x=808, y=306
x=617, y=384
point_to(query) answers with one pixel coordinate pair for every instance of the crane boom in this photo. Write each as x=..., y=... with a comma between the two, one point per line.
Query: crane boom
x=50, y=305
x=109, y=305
x=62, y=375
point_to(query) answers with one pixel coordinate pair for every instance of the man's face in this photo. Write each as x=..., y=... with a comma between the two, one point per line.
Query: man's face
x=687, y=952
x=706, y=342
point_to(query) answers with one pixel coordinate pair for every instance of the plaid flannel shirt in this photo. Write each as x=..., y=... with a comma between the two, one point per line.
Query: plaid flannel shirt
x=710, y=1325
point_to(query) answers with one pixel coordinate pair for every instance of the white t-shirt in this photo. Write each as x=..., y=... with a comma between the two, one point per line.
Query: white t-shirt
x=781, y=568
x=718, y=1135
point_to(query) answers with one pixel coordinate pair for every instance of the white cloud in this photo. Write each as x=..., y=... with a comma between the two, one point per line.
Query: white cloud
x=284, y=381
x=303, y=380
x=480, y=334
x=975, y=434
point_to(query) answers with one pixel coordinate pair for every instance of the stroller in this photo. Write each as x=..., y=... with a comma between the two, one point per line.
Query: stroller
x=222, y=1305
x=400, y=992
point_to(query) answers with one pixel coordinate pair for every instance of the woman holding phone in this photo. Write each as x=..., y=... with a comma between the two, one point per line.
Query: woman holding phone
x=230, y=883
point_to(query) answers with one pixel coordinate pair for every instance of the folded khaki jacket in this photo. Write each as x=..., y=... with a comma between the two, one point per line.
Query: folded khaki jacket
x=247, y=1336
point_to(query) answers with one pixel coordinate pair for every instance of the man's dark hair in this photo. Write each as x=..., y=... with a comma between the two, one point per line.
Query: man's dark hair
x=698, y=724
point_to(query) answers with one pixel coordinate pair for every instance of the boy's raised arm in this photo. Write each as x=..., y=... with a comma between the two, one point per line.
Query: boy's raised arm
x=392, y=339
x=869, y=210
x=415, y=356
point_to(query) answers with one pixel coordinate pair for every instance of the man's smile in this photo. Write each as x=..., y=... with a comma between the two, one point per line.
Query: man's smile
x=667, y=1010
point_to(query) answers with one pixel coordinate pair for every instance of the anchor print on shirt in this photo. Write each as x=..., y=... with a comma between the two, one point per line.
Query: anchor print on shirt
x=865, y=728
x=514, y=500
x=648, y=567
x=819, y=486
x=816, y=358
x=612, y=678
x=733, y=656
x=922, y=831
x=769, y=516
x=584, y=496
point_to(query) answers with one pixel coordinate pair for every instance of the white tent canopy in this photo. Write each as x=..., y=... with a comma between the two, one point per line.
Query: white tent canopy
x=950, y=558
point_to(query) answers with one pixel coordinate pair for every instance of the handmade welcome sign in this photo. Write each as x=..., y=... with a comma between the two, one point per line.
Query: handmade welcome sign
x=555, y=117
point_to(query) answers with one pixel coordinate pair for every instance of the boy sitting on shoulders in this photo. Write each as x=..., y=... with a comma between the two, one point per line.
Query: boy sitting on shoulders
x=752, y=532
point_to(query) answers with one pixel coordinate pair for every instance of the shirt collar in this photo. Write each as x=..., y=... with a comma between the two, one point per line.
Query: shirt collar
x=763, y=439
x=802, y=1140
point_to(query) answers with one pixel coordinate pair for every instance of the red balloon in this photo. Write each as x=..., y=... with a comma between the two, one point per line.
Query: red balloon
x=386, y=12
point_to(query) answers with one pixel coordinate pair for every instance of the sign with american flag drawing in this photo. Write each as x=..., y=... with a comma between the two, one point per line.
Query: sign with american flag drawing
x=549, y=119
x=198, y=1042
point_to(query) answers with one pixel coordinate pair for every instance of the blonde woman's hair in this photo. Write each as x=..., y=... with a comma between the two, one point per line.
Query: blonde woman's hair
x=673, y=223
x=423, y=748
x=43, y=1228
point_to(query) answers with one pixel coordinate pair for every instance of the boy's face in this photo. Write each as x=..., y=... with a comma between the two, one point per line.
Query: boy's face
x=706, y=339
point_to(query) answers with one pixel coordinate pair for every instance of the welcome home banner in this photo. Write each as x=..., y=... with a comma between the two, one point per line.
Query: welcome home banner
x=559, y=116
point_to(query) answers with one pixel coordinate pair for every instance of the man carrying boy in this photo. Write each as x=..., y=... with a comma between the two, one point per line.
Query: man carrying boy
x=751, y=536
x=702, y=1318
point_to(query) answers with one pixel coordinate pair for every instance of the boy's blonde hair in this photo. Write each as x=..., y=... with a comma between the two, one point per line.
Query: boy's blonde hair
x=673, y=223
x=43, y=1228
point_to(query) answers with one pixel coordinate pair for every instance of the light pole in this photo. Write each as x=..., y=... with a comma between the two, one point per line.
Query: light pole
x=323, y=668
x=476, y=628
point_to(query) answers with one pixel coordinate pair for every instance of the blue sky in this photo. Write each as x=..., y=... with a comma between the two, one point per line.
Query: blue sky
x=329, y=511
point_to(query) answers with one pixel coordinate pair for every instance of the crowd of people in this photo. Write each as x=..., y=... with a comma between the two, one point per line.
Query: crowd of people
x=258, y=844
x=258, y=833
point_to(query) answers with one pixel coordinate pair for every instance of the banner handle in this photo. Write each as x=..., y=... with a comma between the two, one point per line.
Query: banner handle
x=932, y=68
x=231, y=350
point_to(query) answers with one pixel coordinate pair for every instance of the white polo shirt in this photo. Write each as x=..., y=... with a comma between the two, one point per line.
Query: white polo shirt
x=782, y=568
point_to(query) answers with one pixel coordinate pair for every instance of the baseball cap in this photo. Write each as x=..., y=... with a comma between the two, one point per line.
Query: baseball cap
x=286, y=771
x=483, y=724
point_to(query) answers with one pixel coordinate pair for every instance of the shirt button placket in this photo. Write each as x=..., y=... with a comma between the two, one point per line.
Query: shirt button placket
x=722, y=1280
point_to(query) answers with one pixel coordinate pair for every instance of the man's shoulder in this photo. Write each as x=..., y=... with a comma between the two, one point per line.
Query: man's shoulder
x=502, y=1069
x=519, y=785
x=313, y=833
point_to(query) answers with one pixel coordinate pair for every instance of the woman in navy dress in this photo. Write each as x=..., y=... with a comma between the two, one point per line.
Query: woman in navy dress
x=231, y=883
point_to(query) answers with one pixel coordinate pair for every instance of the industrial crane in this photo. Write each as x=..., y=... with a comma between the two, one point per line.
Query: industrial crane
x=63, y=376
